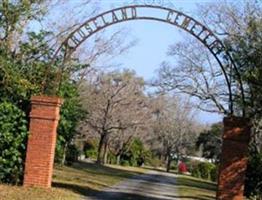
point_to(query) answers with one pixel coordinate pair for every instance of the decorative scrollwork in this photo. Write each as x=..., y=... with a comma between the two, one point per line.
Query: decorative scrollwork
x=169, y=16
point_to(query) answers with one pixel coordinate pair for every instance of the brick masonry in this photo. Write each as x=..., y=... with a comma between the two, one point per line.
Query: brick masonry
x=44, y=117
x=234, y=158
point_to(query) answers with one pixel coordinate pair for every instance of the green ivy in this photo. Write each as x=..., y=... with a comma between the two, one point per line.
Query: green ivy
x=13, y=135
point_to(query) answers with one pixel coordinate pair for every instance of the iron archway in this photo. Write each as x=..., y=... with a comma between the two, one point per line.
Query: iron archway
x=170, y=16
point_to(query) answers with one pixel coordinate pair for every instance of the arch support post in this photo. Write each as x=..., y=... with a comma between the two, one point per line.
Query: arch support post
x=234, y=158
x=44, y=117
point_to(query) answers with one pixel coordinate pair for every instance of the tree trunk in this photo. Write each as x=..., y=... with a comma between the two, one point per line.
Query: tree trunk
x=105, y=154
x=168, y=165
x=118, y=157
x=64, y=154
x=100, y=148
x=168, y=158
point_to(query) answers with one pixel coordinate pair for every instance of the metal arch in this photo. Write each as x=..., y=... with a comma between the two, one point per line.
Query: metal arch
x=173, y=17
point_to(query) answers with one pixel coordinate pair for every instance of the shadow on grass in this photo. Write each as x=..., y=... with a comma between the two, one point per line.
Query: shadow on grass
x=187, y=197
x=198, y=184
x=154, y=168
x=104, y=170
x=101, y=195
x=168, y=182
x=78, y=189
x=108, y=195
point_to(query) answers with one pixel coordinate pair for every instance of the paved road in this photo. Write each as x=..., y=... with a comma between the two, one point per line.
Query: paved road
x=151, y=186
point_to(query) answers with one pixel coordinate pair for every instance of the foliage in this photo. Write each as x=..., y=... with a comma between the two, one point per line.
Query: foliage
x=214, y=173
x=24, y=71
x=13, y=135
x=210, y=142
x=245, y=46
x=253, y=184
x=23, y=61
x=153, y=161
x=71, y=112
x=14, y=12
x=173, y=166
x=59, y=150
x=70, y=115
x=246, y=49
x=111, y=158
x=195, y=173
x=204, y=170
x=90, y=149
x=136, y=155
x=72, y=154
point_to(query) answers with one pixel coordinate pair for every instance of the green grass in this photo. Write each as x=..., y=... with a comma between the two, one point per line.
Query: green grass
x=86, y=179
x=71, y=183
x=192, y=188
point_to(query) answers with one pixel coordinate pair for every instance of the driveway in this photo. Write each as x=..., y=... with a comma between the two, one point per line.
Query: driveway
x=154, y=185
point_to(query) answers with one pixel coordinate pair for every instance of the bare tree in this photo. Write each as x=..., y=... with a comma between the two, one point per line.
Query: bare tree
x=195, y=73
x=174, y=125
x=115, y=102
x=239, y=23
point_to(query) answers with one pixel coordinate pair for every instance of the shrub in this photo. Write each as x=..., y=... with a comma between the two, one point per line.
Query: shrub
x=72, y=154
x=253, y=183
x=59, y=149
x=90, y=149
x=154, y=162
x=214, y=173
x=111, y=158
x=191, y=164
x=205, y=170
x=196, y=173
x=13, y=135
x=173, y=166
x=136, y=155
x=91, y=153
x=125, y=163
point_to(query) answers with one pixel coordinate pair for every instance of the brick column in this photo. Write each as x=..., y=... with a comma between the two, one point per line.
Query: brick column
x=234, y=158
x=44, y=119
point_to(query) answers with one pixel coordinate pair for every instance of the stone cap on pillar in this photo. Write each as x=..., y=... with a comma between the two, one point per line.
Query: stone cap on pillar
x=46, y=100
x=45, y=107
x=237, y=128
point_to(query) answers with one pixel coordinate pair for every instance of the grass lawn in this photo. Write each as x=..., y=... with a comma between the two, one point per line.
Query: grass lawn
x=84, y=179
x=70, y=183
x=192, y=188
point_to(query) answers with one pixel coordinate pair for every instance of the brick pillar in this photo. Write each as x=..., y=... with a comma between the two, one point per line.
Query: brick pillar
x=44, y=118
x=234, y=158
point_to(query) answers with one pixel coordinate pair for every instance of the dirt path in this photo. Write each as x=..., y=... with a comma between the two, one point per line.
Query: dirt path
x=151, y=186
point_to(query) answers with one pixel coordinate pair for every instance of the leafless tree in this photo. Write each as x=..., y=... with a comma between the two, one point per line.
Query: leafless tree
x=194, y=72
x=174, y=126
x=233, y=21
x=116, y=103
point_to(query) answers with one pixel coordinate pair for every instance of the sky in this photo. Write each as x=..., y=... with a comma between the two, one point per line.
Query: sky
x=154, y=39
